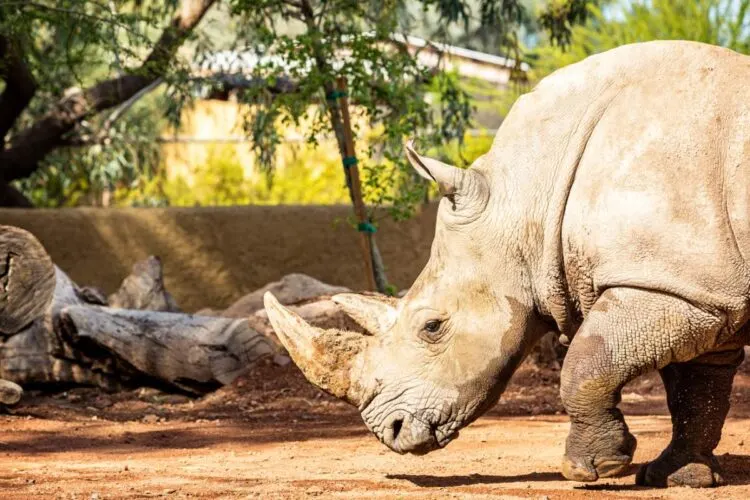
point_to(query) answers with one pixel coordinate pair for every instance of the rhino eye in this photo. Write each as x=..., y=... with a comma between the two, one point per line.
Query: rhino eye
x=431, y=328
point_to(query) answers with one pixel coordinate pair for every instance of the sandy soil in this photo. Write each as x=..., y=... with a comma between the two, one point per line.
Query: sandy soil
x=271, y=435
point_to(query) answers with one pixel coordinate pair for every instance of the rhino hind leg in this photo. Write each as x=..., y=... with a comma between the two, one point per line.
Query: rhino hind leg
x=698, y=397
x=627, y=333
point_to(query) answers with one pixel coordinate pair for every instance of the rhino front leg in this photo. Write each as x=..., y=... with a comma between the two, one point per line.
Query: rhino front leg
x=698, y=397
x=628, y=332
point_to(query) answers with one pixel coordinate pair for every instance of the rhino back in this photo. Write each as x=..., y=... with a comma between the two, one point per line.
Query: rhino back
x=659, y=198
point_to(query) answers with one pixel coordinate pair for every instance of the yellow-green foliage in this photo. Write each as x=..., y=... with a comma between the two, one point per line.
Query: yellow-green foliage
x=223, y=175
x=219, y=181
x=487, y=97
x=306, y=176
x=474, y=146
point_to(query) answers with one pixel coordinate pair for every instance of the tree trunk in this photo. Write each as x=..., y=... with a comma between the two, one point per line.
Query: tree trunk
x=339, y=115
x=20, y=85
x=373, y=261
x=340, y=112
x=378, y=268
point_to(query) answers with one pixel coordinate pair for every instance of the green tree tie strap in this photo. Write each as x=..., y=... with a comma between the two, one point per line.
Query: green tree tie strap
x=349, y=161
x=335, y=94
x=366, y=227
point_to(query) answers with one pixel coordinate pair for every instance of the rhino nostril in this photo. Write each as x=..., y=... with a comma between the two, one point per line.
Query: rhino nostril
x=396, y=426
x=434, y=430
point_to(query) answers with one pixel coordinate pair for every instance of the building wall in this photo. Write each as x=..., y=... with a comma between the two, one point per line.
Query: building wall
x=212, y=127
x=204, y=127
x=467, y=68
x=213, y=256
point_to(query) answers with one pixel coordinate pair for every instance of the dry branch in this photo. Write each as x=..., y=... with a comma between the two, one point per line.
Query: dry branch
x=144, y=289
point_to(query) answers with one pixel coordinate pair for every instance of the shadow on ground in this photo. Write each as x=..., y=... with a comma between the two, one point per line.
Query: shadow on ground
x=470, y=479
x=176, y=435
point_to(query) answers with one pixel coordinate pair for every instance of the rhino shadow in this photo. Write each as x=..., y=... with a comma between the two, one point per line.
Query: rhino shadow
x=736, y=468
x=428, y=481
x=735, y=471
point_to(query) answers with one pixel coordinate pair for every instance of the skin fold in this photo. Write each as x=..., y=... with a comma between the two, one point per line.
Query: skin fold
x=613, y=207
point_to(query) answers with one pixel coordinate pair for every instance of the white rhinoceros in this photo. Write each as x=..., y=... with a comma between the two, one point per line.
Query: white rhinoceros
x=612, y=206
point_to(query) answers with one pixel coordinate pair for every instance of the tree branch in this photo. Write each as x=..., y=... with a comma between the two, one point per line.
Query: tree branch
x=27, y=149
x=104, y=131
x=12, y=197
x=20, y=86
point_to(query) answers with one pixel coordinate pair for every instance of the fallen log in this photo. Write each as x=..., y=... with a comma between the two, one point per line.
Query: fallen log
x=194, y=353
x=27, y=279
x=67, y=337
x=10, y=393
x=39, y=356
x=291, y=289
x=76, y=342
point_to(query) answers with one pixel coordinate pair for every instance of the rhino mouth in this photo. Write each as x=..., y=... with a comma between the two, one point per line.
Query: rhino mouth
x=408, y=434
x=416, y=433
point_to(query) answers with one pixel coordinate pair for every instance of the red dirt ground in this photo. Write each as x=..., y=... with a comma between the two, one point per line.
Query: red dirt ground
x=272, y=435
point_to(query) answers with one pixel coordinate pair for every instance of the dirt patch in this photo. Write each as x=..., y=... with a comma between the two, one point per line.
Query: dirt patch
x=272, y=435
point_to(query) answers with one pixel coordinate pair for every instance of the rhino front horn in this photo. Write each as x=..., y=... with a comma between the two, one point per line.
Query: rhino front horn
x=326, y=357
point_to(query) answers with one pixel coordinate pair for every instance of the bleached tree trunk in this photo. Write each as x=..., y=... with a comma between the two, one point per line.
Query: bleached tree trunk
x=194, y=353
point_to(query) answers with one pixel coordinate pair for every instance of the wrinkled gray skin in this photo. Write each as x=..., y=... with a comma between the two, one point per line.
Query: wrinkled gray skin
x=613, y=207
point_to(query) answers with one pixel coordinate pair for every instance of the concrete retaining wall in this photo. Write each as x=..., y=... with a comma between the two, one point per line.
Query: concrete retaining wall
x=212, y=256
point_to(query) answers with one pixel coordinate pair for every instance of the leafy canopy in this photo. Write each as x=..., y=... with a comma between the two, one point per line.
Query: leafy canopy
x=718, y=22
x=309, y=44
x=70, y=44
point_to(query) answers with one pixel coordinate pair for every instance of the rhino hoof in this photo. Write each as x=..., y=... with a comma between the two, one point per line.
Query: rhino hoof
x=606, y=468
x=698, y=472
x=577, y=472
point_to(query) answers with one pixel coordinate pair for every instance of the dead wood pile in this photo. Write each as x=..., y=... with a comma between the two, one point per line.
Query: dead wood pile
x=55, y=333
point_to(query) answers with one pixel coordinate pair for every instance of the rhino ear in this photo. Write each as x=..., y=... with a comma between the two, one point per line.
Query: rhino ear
x=448, y=177
x=375, y=314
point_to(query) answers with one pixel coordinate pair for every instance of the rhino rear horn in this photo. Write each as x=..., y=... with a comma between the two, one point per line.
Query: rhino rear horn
x=375, y=314
x=449, y=178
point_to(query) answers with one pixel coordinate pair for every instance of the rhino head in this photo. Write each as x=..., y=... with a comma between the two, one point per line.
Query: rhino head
x=436, y=359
